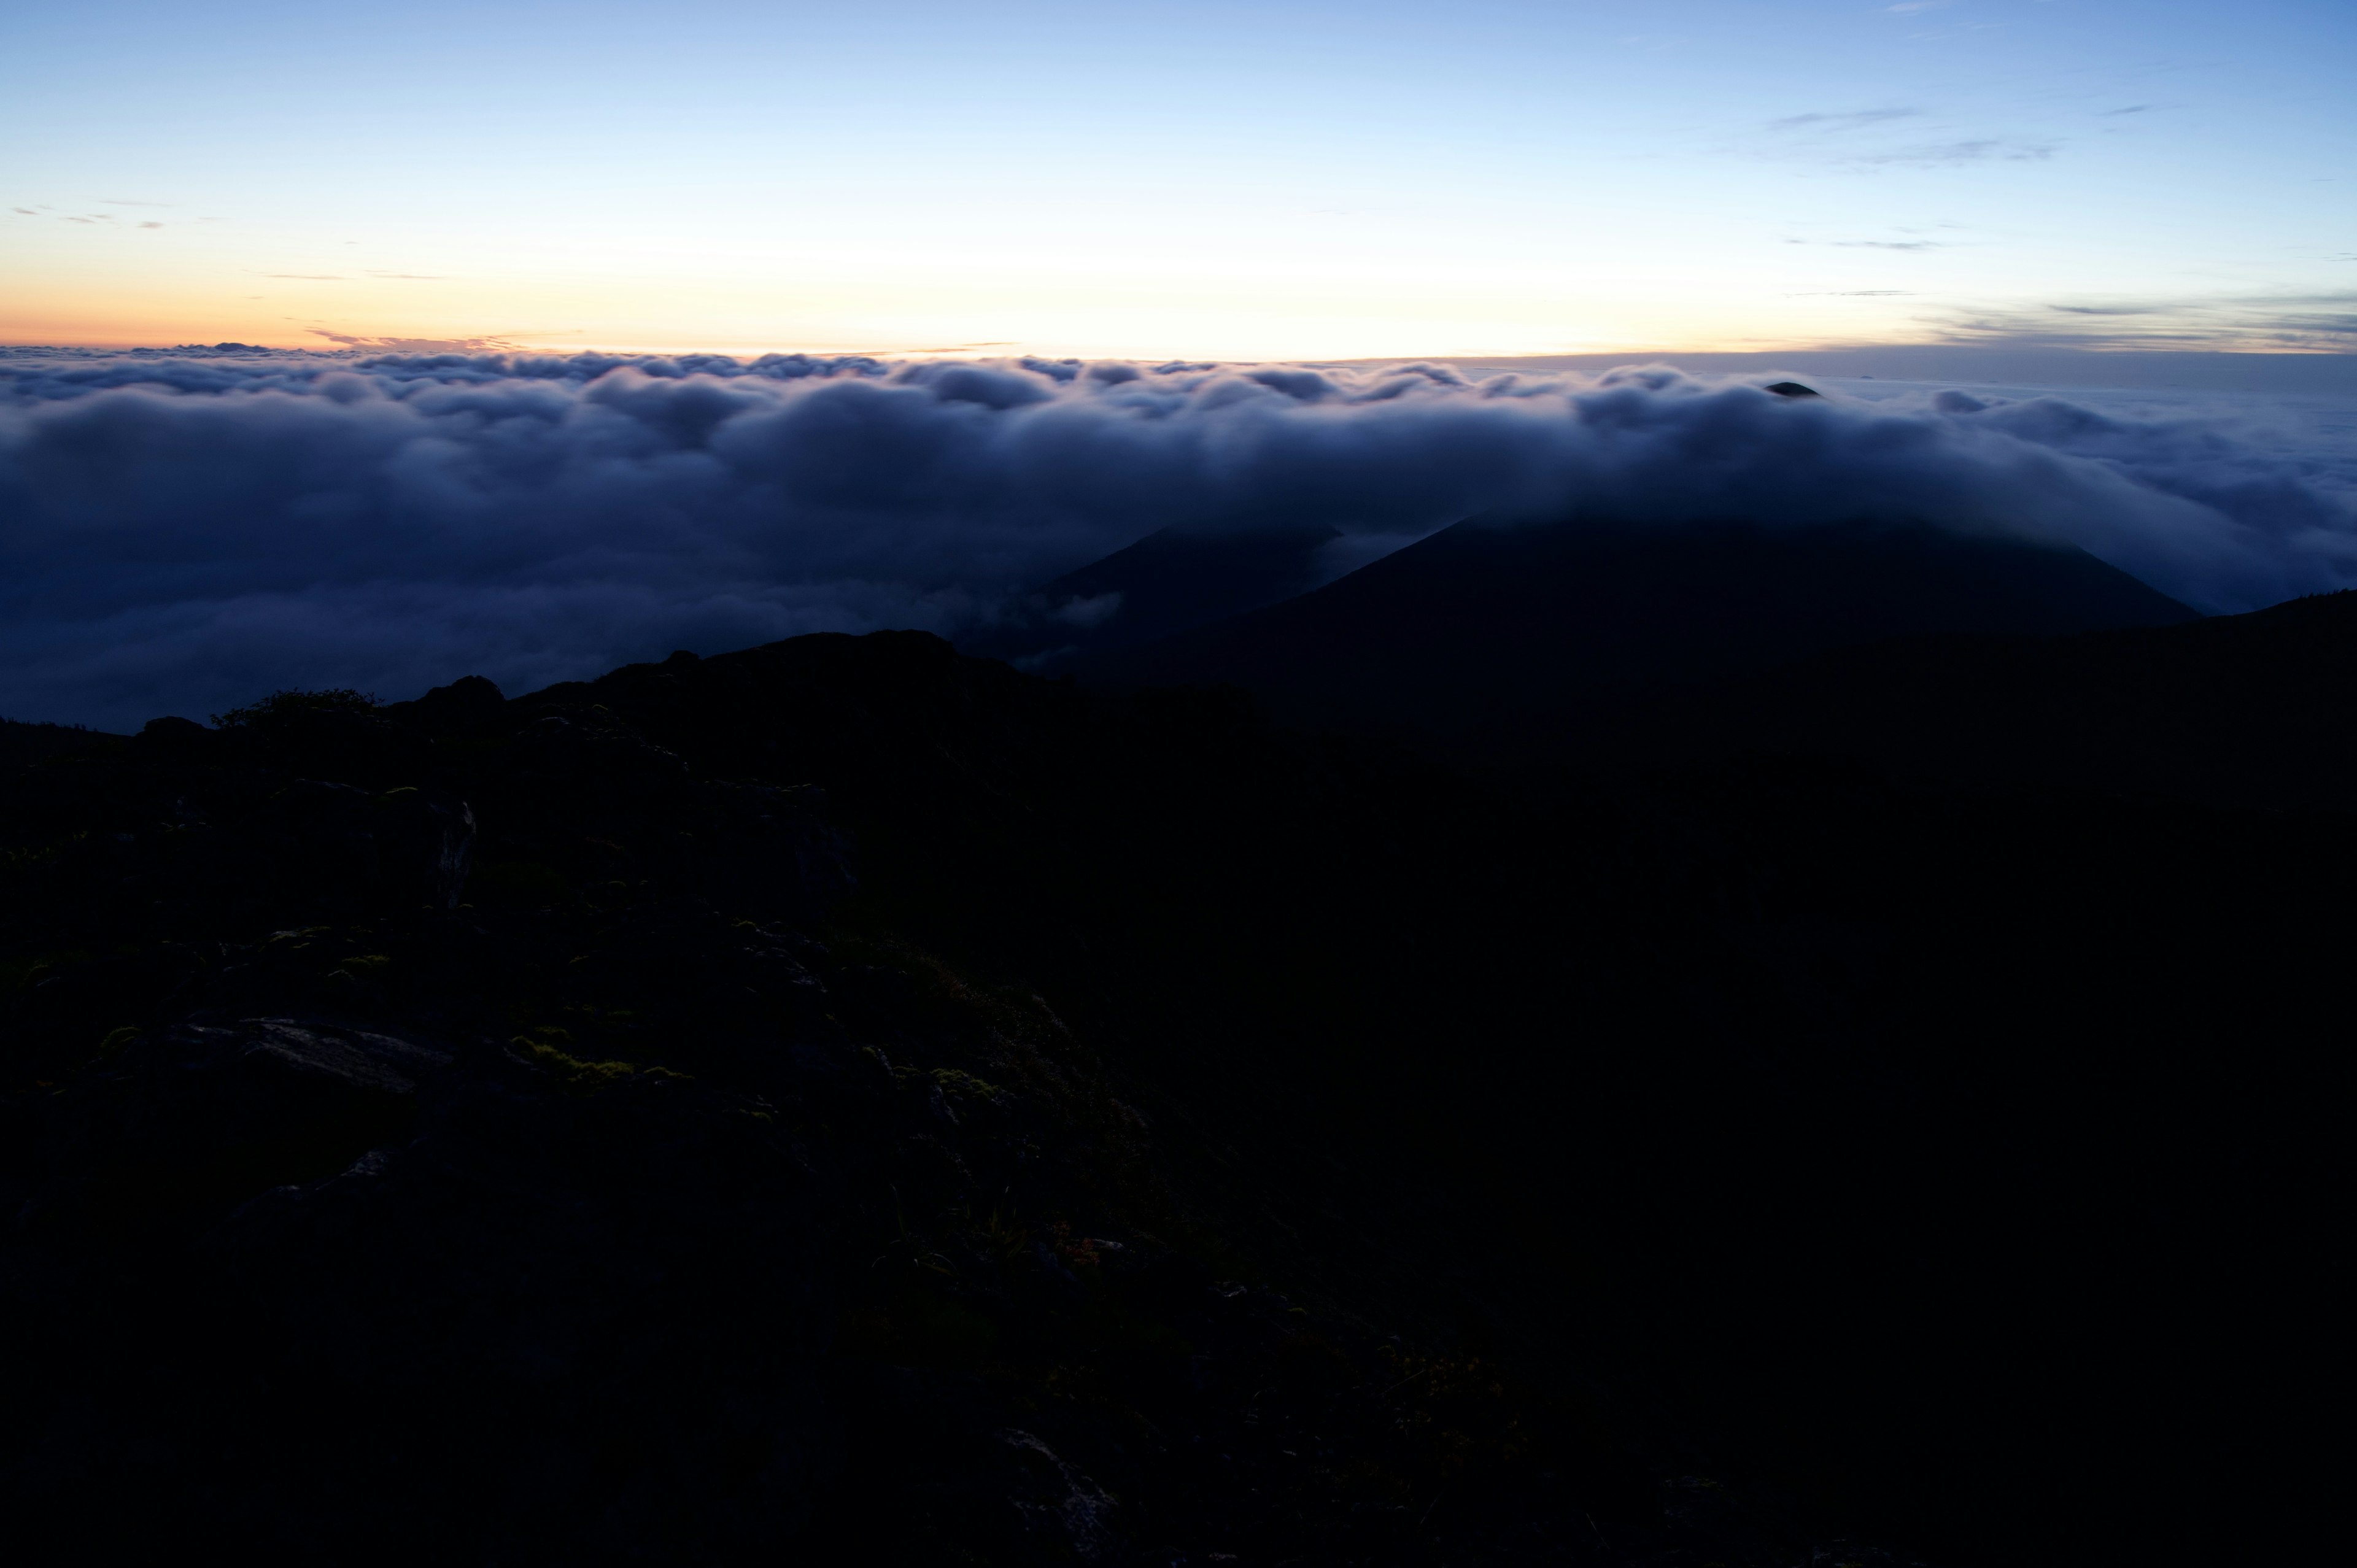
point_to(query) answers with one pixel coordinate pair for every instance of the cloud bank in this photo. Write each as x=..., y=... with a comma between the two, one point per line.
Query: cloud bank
x=182, y=530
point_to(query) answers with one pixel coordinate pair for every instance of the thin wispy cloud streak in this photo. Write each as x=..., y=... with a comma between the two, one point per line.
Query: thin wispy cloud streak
x=1978, y=149
x=184, y=531
x=1854, y=119
x=2325, y=323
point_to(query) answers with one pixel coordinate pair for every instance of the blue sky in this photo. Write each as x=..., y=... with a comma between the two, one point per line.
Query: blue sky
x=1214, y=180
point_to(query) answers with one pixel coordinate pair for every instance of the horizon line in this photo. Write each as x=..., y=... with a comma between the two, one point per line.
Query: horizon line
x=495, y=344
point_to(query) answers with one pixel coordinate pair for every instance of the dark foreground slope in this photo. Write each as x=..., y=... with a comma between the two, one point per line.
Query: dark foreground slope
x=22, y=743
x=1183, y=1139
x=1486, y=629
x=445, y=1136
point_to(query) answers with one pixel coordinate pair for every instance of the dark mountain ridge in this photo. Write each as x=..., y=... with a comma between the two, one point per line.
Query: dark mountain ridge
x=2254, y=711
x=21, y=743
x=1487, y=626
x=1171, y=581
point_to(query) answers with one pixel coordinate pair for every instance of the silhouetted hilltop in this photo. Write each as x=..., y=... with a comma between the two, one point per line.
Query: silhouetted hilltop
x=1171, y=581
x=1485, y=626
x=22, y=743
x=847, y=1100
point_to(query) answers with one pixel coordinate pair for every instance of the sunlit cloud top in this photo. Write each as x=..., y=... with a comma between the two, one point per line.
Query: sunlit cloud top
x=1287, y=180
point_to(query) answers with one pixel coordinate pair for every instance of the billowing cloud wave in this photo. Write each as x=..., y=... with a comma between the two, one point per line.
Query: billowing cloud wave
x=180, y=531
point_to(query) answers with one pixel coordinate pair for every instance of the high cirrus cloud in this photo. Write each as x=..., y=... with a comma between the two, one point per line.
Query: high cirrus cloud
x=181, y=531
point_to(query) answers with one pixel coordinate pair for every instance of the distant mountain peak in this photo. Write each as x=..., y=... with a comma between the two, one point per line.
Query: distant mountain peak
x=1486, y=620
x=1171, y=581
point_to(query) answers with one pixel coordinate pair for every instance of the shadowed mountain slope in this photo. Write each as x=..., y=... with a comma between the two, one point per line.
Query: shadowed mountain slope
x=1486, y=624
x=1170, y=581
x=2256, y=710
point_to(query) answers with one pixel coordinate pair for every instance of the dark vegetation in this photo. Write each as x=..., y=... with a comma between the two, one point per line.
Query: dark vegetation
x=849, y=1101
x=280, y=706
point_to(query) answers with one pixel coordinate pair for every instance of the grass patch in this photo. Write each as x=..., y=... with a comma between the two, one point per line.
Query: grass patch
x=546, y=1047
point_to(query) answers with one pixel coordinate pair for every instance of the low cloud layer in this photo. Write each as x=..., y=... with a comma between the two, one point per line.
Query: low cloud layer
x=181, y=531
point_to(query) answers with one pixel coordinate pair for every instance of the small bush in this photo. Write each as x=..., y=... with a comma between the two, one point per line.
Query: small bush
x=282, y=704
x=965, y=1084
x=41, y=854
x=29, y=970
x=582, y=1076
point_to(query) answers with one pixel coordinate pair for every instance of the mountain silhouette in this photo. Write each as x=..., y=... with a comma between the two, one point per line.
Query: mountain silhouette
x=1487, y=624
x=1169, y=582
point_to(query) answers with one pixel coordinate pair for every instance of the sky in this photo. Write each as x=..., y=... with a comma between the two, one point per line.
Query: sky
x=1264, y=181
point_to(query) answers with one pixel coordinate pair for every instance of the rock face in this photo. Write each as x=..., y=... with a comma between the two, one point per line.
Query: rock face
x=850, y=1101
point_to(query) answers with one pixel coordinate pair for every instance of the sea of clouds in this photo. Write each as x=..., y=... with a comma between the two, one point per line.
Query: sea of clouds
x=183, y=531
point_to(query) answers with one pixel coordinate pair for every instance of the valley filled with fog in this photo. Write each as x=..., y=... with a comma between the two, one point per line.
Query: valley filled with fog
x=189, y=527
